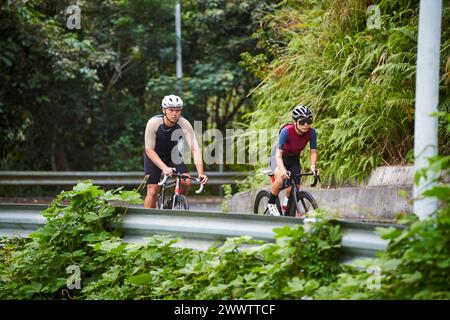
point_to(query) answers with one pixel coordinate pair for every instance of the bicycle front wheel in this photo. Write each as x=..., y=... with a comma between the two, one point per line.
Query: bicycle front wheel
x=180, y=203
x=305, y=204
x=159, y=202
x=261, y=201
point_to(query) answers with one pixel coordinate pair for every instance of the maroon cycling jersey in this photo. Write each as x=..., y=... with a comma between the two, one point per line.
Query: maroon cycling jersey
x=292, y=143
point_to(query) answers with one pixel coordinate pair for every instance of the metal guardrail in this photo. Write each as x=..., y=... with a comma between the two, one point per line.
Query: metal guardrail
x=360, y=239
x=64, y=178
x=199, y=230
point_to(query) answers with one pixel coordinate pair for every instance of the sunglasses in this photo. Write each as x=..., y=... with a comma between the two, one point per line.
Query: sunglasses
x=173, y=109
x=302, y=122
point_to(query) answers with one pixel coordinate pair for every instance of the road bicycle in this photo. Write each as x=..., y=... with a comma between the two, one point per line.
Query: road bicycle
x=299, y=202
x=177, y=201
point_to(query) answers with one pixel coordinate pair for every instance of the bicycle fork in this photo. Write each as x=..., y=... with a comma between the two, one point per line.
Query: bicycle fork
x=293, y=207
x=162, y=197
x=177, y=190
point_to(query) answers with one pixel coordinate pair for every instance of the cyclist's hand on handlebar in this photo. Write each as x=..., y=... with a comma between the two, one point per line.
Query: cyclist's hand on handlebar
x=286, y=175
x=168, y=171
x=315, y=171
x=203, y=179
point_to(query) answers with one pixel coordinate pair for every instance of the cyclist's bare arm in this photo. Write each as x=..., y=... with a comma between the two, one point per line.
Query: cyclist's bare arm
x=280, y=164
x=313, y=159
x=313, y=156
x=150, y=141
x=157, y=160
x=192, y=142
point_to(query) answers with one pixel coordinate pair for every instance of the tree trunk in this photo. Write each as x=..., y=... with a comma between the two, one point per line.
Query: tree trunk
x=59, y=160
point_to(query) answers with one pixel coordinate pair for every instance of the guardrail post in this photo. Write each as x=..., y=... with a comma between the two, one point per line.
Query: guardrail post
x=427, y=99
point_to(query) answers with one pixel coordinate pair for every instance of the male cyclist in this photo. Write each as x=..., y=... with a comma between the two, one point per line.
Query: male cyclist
x=285, y=157
x=164, y=134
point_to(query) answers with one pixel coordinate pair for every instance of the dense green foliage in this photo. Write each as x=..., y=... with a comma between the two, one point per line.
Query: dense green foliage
x=416, y=264
x=79, y=92
x=360, y=82
x=304, y=263
x=60, y=103
x=301, y=260
x=80, y=99
x=38, y=269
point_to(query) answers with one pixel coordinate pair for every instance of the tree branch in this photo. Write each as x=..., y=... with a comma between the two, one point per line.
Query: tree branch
x=235, y=110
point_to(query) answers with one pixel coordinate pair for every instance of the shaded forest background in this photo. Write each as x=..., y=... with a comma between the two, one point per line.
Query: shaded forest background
x=80, y=99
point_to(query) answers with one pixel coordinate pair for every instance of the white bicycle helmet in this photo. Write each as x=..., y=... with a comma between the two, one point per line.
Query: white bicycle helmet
x=172, y=101
x=301, y=111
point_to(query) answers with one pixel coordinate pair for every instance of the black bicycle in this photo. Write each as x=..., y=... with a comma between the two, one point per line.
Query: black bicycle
x=299, y=203
x=177, y=201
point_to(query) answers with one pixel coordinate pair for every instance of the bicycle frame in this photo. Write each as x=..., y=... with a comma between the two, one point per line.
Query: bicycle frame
x=178, y=177
x=293, y=194
x=292, y=197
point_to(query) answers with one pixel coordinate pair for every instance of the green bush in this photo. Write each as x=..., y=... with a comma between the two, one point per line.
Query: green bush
x=303, y=263
x=80, y=235
x=35, y=268
x=416, y=264
x=359, y=82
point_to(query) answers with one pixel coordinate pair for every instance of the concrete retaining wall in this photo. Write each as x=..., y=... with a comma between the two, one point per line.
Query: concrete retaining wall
x=392, y=176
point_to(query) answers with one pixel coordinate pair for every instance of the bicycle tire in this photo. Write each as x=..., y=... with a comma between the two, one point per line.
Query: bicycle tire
x=180, y=203
x=306, y=203
x=159, y=204
x=262, y=198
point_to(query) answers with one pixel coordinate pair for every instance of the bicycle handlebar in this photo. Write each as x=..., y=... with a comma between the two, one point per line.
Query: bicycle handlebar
x=176, y=175
x=316, y=177
x=163, y=180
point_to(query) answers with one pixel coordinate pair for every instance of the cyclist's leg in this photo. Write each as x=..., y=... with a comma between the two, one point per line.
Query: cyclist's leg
x=154, y=173
x=293, y=165
x=152, y=195
x=278, y=183
x=273, y=195
x=275, y=190
x=294, y=168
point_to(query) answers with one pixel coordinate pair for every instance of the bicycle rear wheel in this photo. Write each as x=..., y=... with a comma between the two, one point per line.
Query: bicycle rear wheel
x=305, y=204
x=180, y=203
x=261, y=201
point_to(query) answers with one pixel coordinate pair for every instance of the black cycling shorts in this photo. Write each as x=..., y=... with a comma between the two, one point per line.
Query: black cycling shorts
x=292, y=164
x=154, y=171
